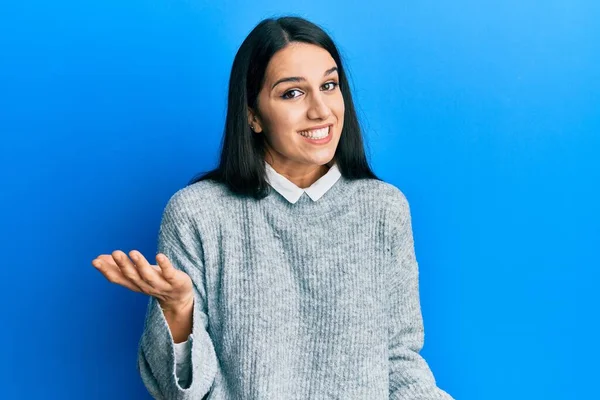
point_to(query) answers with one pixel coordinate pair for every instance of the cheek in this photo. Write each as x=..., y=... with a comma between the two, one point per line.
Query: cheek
x=281, y=127
x=339, y=111
x=338, y=105
x=286, y=120
x=340, y=117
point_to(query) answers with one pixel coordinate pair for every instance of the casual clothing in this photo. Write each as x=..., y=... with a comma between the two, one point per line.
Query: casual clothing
x=305, y=294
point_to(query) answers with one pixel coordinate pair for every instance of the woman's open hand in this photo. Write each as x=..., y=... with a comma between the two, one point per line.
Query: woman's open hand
x=171, y=287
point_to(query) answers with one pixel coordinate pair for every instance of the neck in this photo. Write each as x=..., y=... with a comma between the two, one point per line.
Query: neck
x=302, y=178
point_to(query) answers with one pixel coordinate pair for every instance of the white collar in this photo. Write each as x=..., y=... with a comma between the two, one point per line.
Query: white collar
x=292, y=193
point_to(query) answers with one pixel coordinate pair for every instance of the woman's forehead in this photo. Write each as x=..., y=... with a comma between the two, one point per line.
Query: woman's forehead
x=300, y=59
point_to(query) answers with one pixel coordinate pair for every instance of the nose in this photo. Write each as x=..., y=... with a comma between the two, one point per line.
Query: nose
x=318, y=108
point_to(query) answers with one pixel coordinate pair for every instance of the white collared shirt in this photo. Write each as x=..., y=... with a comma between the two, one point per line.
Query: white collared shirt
x=292, y=193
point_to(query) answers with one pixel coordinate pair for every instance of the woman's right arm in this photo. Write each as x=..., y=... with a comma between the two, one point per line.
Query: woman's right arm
x=176, y=310
x=178, y=240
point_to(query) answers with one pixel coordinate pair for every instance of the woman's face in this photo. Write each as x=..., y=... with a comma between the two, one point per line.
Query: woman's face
x=300, y=93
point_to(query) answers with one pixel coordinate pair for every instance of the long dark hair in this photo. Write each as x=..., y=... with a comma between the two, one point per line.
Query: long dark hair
x=241, y=166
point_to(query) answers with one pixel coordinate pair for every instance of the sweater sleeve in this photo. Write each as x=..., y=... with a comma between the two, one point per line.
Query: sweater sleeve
x=410, y=375
x=179, y=240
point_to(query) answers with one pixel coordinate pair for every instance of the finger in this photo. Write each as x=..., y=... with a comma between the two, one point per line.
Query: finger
x=168, y=271
x=130, y=272
x=113, y=274
x=107, y=261
x=148, y=274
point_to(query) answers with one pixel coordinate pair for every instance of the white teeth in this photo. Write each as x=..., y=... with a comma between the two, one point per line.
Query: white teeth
x=316, y=134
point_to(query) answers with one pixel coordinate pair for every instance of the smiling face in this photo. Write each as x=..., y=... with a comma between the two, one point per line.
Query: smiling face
x=300, y=93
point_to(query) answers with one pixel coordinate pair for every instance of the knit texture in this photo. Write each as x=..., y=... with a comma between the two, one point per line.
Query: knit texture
x=312, y=300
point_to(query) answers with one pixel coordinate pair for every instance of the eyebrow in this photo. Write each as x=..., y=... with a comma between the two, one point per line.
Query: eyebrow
x=300, y=78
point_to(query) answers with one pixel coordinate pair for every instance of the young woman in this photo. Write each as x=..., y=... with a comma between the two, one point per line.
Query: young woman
x=289, y=271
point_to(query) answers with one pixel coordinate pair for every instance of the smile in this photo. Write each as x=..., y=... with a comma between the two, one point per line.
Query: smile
x=317, y=136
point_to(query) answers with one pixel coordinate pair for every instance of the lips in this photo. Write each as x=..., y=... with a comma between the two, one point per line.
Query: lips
x=321, y=141
x=314, y=128
x=317, y=134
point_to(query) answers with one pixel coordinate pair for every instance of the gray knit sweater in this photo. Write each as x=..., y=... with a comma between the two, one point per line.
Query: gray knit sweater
x=311, y=300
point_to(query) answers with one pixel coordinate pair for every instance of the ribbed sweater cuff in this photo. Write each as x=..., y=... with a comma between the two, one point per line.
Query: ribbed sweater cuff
x=159, y=351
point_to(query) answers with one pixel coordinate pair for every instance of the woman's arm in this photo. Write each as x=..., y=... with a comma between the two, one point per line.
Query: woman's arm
x=410, y=375
x=179, y=321
x=179, y=241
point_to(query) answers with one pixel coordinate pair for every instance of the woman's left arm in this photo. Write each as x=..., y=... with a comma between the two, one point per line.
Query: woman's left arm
x=410, y=375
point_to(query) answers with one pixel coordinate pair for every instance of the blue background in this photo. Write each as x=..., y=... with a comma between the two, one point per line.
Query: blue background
x=486, y=114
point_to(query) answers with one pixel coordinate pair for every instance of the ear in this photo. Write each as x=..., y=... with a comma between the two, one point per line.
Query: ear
x=254, y=121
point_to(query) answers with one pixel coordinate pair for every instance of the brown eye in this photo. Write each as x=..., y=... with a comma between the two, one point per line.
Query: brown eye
x=285, y=95
x=333, y=85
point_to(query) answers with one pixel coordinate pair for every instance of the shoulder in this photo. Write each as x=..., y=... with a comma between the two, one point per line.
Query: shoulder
x=198, y=200
x=386, y=194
